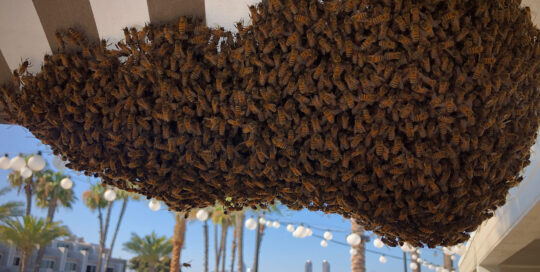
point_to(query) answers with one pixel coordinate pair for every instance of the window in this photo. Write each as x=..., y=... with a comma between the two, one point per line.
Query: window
x=71, y=267
x=63, y=244
x=47, y=264
x=91, y=268
x=110, y=269
x=16, y=261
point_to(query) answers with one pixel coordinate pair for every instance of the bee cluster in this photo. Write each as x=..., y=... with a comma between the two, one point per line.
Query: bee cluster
x=413, y=117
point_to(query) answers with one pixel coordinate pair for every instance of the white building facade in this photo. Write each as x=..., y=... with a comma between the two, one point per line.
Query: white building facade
x=60, y=256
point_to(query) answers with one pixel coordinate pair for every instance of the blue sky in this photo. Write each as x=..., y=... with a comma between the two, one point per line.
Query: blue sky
x=279, y=250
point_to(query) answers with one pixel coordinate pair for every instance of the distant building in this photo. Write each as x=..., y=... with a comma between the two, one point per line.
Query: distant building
x=60, y=256
x=309, y=266
x=325, y=266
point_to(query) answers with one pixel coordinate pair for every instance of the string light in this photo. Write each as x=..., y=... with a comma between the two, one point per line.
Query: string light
x=354, y=239
x=328, y=235
x=268, y=224
x=110, y=195
x=36, y=162
x=290, y=228
x=17, y=163
x=262, y=221
x=275, y=225
x=4, y=162
x=26, y=172
x=304, y=231
x=413, y=266
x=202, y=215
x=66, y=183
x=378, y=243
x=251, y=224
x=154, y=205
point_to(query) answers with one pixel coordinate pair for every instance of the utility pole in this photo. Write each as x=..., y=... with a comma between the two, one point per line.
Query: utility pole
x=404, y=261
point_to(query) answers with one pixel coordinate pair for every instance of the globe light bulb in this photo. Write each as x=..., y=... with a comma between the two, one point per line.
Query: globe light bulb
x=251, y=224
x=419, y=260
x=26, y=172
x=66, y=183
x=328, y=235
x=36, y=162
x=59, y=164
x=109, y=195
x=382, y=259
x=378, y=243
x=354, y=239
x=202, y=215
x=308, y=232
x=275, y=225
x=453, y=257
x=353, y=251
x=290, y=228
x=431, y=267
x=299, y=232
x=324, y=243
x=154, y=205
x=4, y=162
x=424, y=263
x=17, y=163
x=413, y=266
x=262, y=221
x=268, y=224
x=414, y=256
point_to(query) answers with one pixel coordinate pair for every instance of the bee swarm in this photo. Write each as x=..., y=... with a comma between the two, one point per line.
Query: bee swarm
x=413, y=117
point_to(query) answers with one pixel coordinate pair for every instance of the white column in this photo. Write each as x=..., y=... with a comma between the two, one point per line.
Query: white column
x=11, y=256
x=63, y=258
x=84, y=262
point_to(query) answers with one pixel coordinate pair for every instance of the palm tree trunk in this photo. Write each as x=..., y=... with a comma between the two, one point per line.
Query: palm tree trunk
x=50, y=216
x=358, y=261
x=28, y=192
x=216, y=251
x=417, y=264
x=178, y=241
x=258, y=241
x=240, y=239
x=448, y=263
x=122, y=211
x=205, y=232
x=25, y=260
x=103, y=238
x=223, y=246
x=233, y=248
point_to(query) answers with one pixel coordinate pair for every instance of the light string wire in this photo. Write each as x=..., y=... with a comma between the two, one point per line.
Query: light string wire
x=342, y=243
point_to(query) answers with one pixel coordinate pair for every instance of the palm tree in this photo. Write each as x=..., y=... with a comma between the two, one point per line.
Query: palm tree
x=10, y=209
x=16, y=181
x=232, y=220
x=358, y=261
x=239, y=229
x=220, y=218
x=94, y=200
x=260, y=232
x=125, y=196
x=178, y=240
x=50, y=195
x=29, y=234
x=136, y=264
x=149, y=248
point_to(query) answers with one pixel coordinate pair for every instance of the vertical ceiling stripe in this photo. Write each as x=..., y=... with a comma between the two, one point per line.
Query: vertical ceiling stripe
x=227, y=13
x=61, y=14
x=112, y=16
x=166, y=10
x=22, y=34
x=5, y=77
x=5, y=72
